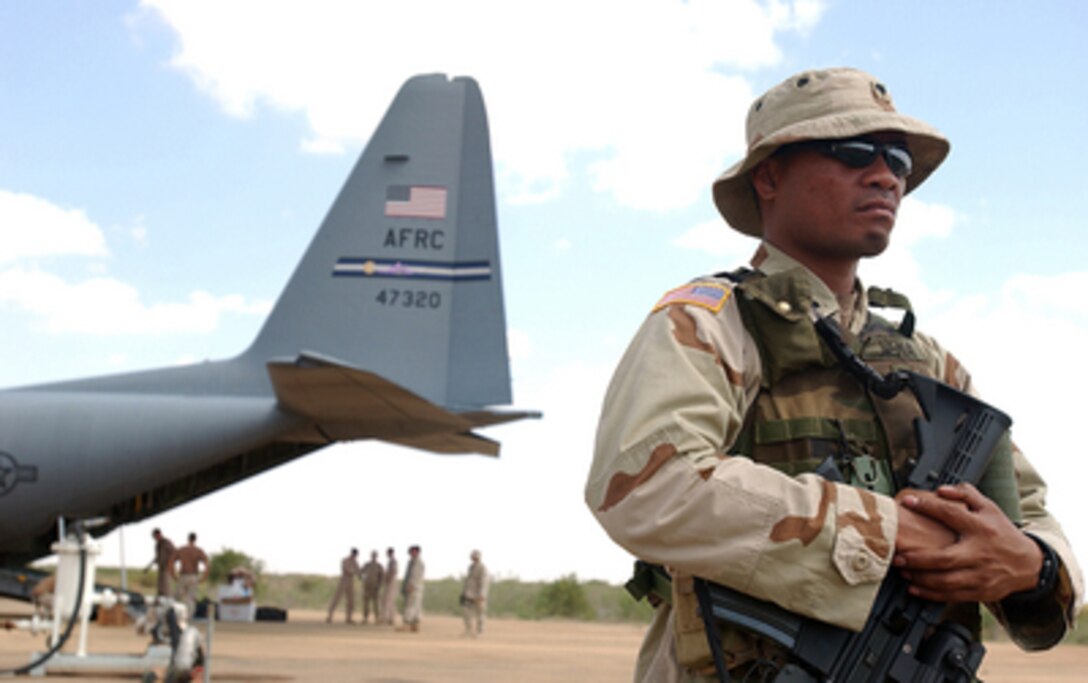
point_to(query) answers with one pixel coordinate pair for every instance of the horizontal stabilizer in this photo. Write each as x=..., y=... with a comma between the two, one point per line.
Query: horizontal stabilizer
x=486, y=418
x=345, y=403
x=453, y=444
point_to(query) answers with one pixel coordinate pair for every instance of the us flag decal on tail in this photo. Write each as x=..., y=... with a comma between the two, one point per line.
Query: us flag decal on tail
x=415, y=201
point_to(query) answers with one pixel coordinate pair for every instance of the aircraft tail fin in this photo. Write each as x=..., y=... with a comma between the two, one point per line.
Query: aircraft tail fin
x=402, y=279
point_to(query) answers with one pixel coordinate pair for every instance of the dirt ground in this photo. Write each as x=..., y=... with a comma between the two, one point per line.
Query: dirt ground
x=307, y=649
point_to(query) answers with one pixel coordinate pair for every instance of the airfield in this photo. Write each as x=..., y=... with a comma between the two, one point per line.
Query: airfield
x=305, y=648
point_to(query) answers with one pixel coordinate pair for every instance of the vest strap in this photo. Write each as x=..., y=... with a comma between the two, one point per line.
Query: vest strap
x=777, y=431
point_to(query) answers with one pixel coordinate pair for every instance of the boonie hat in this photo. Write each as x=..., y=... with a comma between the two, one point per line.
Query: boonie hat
x=820, y=105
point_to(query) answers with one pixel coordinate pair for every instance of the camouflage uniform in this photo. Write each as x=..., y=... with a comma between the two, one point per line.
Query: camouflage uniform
x=349, y=569
x=372, y=574
x=389, y=592
x=164, y=552
x=412, y=590
x=474, y=596
x=664, y=485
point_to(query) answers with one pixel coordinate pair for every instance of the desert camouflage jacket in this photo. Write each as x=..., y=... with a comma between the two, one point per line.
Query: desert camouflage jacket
x=477, y=582
x=663, y=487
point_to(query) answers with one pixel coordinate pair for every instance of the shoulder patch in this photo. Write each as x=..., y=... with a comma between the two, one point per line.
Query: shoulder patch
x=709, y=295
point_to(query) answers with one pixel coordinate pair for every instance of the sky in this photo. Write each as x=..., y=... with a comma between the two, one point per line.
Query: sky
x=163, y=165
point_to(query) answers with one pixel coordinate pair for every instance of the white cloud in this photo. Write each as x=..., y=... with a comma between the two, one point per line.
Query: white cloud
x=806, y=14
x=898, y=267
x=137, y=232
x=1021, y=345
x=1050, y=295
x=917, y=221
x=31, y=227
x=662, y=158
x=551, y=459
x=519, y=344
x=716, y=237
x=107, y=306
x=553, y=91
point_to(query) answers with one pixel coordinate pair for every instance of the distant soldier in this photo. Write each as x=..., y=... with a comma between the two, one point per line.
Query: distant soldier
x=349, y=569
x=372, y=575
x=412, y=590
x=474, y=595
x=389, y=591
x=190, y=558
x=164, y=551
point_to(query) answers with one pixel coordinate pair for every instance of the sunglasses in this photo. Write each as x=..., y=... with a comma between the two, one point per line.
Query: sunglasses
x=862, y=153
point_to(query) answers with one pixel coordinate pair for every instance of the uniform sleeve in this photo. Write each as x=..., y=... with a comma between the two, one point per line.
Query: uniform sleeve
x=1045, y=622
x=663, y=488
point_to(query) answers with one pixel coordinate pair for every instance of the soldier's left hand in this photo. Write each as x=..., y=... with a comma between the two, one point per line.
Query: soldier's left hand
x=990, y=560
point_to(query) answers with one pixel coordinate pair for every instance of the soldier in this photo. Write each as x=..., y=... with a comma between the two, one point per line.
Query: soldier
x=164, y=551
x=474, y=595
x=389, y=590
x=412, y=591
x=194, y=568
x=349, y=569
x=372, y=574
x=725, y=402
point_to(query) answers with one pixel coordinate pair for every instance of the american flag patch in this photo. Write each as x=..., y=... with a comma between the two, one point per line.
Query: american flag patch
x=708, y=295
x=415, y=201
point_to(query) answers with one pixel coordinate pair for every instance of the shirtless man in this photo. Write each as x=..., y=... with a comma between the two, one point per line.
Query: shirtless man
x=187, y=579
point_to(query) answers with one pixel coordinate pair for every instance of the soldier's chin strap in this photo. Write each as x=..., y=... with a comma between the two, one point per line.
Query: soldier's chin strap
x=884, y=386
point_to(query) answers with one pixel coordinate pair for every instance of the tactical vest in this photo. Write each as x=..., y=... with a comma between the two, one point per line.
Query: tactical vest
x=810, y=414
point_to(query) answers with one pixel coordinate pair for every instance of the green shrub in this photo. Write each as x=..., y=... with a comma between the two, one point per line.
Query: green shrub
x=308, y=585
x=513, y=598
x=614, y=603
x=223, y=562
x=442, y=596
x=509, y=597
x=564, y=598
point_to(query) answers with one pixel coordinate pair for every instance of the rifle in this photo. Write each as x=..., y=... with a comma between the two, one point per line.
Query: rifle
x=904, y=639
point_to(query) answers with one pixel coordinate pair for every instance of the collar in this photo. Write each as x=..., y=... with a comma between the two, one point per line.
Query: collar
x=771, y=260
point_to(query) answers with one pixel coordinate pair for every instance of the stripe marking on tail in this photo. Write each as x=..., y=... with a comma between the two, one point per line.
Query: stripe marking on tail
x=364, y=266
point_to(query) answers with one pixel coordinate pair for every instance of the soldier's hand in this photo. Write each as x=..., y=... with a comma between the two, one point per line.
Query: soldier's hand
x=990, y=559
x=917, y=531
